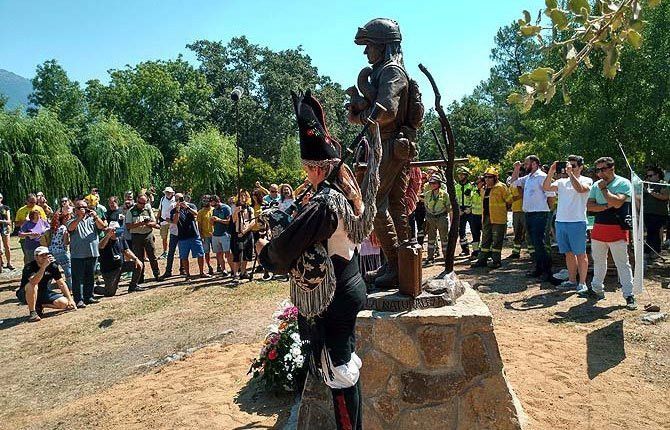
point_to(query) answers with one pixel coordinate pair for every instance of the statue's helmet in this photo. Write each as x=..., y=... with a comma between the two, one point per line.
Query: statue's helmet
x=379, y=31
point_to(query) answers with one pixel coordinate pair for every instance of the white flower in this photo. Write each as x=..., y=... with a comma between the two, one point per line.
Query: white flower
x=274, y=328
x=299, y=361
x=288, y=357
x=295, y=351
x=289, y=377
x=296, y=337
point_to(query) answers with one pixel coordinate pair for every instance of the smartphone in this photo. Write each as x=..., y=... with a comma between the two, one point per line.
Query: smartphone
x=560, y=166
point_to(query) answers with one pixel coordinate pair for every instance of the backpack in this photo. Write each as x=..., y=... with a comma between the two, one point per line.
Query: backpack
x=414, y=108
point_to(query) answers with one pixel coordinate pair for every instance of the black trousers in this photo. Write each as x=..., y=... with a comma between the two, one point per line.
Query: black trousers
x=463, y=220
x=654, y=224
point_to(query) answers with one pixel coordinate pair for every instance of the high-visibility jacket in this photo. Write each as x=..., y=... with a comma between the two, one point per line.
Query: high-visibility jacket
x=517, y=198
x=476, y=201
x=464, y=194
x=499, y=198
x=437, y=204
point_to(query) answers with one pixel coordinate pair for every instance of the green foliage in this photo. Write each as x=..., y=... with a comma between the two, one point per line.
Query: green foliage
x=53, y=89
x=165, y=101
x=206, y=164
x=265, y=111
x=35, y=156
x=117, y=158
x=608, y=29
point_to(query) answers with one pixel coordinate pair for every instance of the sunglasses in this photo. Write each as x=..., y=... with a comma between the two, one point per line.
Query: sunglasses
x=649, y=175
x=602, y=169
x=489, y=177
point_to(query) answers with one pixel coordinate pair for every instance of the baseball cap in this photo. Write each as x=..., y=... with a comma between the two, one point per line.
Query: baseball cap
x=41, y=250
x=114, y=225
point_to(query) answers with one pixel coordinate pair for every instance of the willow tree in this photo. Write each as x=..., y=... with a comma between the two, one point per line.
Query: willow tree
x=206, y=164
x=35, y=155
x=117, y=158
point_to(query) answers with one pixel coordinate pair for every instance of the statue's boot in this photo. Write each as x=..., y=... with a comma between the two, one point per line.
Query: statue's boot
x=372, y=275
x=389, y=279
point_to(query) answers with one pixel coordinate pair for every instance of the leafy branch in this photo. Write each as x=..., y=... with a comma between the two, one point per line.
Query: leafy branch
x=577, y=31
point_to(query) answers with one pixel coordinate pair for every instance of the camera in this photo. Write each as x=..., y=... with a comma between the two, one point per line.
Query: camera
x=180, y=200
x=560, y=166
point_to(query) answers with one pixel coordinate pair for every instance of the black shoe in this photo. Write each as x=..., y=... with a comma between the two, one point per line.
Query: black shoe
x=10, y=267
x=136, y=289
x=100, y=290
x=81, y=304
x=464, y=253
x=224, y=274
x=548, y=277
x=164, y=276
x=211, y=271
x=631, y=305
x=494, y=264
x=267, y=276
x=91, y=301
x=533, y=274
x=515, y=256
x=40, y=310
x=479, y=263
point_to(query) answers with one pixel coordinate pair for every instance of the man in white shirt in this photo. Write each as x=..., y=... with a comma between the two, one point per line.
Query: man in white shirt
x=166, y=204
x=537, y=212
x=573, y=195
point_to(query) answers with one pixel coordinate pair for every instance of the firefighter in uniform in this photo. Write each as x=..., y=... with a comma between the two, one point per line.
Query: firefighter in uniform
x=464, y=191
x=495, y=198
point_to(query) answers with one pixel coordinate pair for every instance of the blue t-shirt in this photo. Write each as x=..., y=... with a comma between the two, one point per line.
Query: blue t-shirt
x=222, y=212
x=619, y=185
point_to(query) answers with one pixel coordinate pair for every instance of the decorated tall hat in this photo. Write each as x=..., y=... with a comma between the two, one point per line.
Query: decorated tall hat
x=317, y=146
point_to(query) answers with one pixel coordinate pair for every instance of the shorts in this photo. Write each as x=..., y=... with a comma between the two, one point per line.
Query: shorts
x=194, y=245
x=221, y=243
x=242, y=247
x=207, y=244
x=165, y=231
x=44, y=297
x=571, y=237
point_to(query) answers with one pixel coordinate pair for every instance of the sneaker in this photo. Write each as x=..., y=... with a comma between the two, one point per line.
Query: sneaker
x=267, y=276
x=164, y=276
x=34, y=317
x=631, y=305
x=591, y=294
x=205, y=275
x=568, y=285
x=91, y=301
x=211, y=271
x=81, y=304
x=583, y=290
x=135, y=289
x=40, y=310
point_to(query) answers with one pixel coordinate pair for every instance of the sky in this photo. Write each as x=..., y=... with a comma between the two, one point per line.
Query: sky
x=451, y=38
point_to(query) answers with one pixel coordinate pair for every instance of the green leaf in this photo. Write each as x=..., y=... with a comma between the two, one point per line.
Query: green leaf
x=541, y=74
x=576, y=6
x=528, y=102
x=566, y=97
x=551, y=4
x=525, y=79
x=530, y=30
x=515, y=99
x=549, y=93
x=638, y=24
x=559, y=19
x=653, y=3
x=634, y=38
x=526, y=16
x=611, y=63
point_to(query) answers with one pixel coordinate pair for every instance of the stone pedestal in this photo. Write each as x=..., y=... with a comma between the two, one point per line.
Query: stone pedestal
x=436, y=368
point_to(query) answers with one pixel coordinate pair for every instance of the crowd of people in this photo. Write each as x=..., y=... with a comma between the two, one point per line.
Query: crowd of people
x=84, y=249
x=561, y=204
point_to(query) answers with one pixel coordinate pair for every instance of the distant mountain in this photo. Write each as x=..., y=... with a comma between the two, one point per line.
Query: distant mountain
x=16, y=88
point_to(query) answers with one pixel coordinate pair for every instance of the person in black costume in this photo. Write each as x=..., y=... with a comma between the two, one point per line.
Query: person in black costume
x=319, y=250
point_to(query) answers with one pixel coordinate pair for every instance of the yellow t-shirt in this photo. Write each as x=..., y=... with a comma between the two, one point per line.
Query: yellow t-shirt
x=205, y=222
x=24, y=211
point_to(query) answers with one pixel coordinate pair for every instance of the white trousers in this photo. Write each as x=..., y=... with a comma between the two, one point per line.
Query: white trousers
x=619, y=250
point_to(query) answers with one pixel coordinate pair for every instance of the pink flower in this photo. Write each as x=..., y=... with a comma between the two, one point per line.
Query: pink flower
x=273, y=354
x=274, y=339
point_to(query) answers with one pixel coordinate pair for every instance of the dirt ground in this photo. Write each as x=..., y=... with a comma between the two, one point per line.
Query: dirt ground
x=574, y=364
